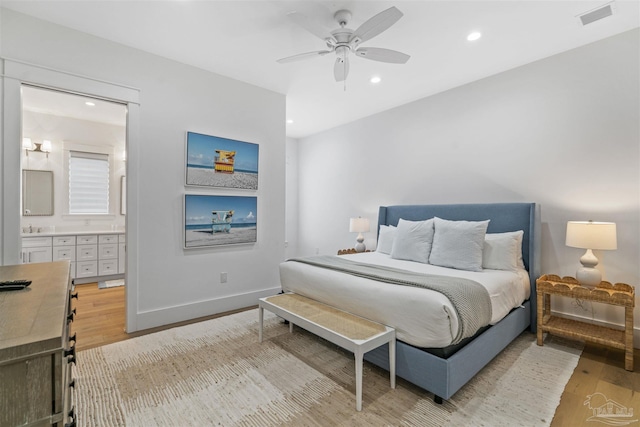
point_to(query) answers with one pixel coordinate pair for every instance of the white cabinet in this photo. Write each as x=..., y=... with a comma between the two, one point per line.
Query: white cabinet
x=36, y=249
x=64, y=247
x=86, y=269
x=107, y=267
x=91, y=255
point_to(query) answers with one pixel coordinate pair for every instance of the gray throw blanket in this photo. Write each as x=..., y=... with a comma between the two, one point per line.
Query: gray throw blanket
x=470, y=299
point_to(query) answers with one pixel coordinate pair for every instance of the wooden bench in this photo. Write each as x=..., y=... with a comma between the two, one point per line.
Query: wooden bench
x=346, y=330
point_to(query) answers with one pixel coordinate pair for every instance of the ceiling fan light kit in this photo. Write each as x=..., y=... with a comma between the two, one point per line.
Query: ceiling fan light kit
x=343, y=41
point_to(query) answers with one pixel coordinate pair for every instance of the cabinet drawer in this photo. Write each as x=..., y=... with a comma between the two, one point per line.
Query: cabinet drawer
x=86, y=269
x=107, y=267
x=87, y=252
x=34, y=242
x=109, y=251
x=108, y=238
x=64, y=240
x=89, y=239
x=64, y=252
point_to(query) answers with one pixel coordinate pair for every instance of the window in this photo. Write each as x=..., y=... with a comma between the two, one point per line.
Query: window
x=88, y=183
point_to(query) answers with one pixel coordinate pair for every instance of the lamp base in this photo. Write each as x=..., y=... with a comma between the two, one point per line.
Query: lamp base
x=360, y=247
x=589, y=277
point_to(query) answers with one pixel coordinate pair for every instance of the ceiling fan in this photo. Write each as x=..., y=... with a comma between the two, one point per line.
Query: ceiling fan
x=343, y=41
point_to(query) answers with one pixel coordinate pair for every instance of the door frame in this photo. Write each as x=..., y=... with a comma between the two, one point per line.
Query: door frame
x=15, y=74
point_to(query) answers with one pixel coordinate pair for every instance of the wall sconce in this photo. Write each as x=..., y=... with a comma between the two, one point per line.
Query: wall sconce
x=590, y=235
x=359, y=225
x=44, y=147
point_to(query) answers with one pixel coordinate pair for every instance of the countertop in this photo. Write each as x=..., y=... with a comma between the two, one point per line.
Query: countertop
x=70, y=233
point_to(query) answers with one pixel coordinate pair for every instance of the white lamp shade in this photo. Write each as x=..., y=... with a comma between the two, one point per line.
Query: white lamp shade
x=27, y=144
x=359, y=225
x=46, y=146
x=591, y=235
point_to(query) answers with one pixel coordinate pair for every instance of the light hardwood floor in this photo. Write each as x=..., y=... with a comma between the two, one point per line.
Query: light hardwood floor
x=100, y=320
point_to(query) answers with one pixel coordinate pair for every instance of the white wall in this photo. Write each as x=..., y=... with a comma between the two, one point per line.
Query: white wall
x=562, y=132
x=65, y=133
x=171, y=283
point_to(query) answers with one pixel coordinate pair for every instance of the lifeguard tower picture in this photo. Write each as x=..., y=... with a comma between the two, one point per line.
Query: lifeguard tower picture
x=224, y=161
x=213, y=161
x=221, y=221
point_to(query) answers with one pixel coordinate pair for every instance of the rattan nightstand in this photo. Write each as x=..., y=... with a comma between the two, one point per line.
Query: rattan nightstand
x=620, y=294
x=349, y=251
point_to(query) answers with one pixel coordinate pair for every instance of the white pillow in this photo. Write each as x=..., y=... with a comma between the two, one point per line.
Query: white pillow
x=413, y=240
x=503, y=251
x=458, y=244
x=385, y=239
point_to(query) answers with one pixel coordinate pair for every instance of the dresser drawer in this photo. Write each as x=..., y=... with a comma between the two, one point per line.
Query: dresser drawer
x=108, y=238
x=87, y=252
x=86, y=269
x=64, y=252
x=109, y=251
x=64, y=240
x=107, y=267
x=89, y=239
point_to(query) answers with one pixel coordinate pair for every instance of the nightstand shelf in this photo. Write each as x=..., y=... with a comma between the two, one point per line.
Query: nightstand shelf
x=620, y=294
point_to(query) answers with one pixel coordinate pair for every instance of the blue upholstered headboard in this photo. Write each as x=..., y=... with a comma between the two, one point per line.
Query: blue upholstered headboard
x=503, y=217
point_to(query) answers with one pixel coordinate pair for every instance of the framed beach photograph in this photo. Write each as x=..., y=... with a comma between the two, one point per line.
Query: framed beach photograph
x=219, y=220
x=220, y=162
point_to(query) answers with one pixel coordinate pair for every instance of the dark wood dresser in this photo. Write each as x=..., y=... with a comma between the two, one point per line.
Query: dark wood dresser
x=36, y=351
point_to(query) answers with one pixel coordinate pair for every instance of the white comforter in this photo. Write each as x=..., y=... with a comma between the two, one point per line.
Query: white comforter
x=421, y=317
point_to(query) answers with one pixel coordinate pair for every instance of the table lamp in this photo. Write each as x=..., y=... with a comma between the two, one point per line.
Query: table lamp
x=590, y=235
x=359, y=225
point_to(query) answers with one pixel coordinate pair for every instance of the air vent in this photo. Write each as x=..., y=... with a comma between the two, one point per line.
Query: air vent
x=596, y=14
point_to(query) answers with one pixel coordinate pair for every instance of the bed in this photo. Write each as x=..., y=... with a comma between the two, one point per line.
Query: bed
x=429, y=357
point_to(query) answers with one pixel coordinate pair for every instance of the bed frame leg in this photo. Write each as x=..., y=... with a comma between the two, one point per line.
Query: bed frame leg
x=437, y=399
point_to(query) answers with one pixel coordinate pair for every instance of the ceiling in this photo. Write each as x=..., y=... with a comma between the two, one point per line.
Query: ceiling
x=243, y=40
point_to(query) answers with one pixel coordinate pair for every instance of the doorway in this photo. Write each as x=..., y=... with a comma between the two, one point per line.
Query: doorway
x=79, y=143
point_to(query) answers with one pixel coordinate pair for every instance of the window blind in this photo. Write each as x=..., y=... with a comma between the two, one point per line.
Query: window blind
x=88, y=183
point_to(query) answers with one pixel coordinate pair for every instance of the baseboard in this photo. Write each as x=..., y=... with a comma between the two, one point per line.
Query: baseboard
x=169, y=315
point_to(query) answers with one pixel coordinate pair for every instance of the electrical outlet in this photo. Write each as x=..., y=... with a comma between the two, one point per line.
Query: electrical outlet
x=223, y=277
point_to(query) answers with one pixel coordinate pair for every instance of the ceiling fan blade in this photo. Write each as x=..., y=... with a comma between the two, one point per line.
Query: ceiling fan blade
x=341, y=68
x=382, y=55
x=376, y=25
x=311, y=27
x=302, y=56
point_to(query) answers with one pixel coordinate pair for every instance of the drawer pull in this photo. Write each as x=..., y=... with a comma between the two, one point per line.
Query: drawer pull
x=73, y=338
x=71, y=315
x=71, y=352
x=72, y=384
x=74, y=295
x=73, y=422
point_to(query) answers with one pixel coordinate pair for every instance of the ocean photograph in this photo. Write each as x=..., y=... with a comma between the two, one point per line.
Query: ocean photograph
x=219, y=220
x=220, y=162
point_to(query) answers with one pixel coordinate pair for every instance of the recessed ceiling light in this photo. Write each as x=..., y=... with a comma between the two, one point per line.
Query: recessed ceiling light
x=375, y=79
x=474, y=36
x=90, y=104
x=289, y=121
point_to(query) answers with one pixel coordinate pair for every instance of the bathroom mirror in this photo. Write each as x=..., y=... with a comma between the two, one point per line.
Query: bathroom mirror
x=37, y=193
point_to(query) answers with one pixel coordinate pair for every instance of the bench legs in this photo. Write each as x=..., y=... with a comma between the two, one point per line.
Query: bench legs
x=358, y=356
x=260, y=322
x=392, y=362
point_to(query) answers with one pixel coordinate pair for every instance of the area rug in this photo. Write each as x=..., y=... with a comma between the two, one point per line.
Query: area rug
x=110, y=283
x=215, y=373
